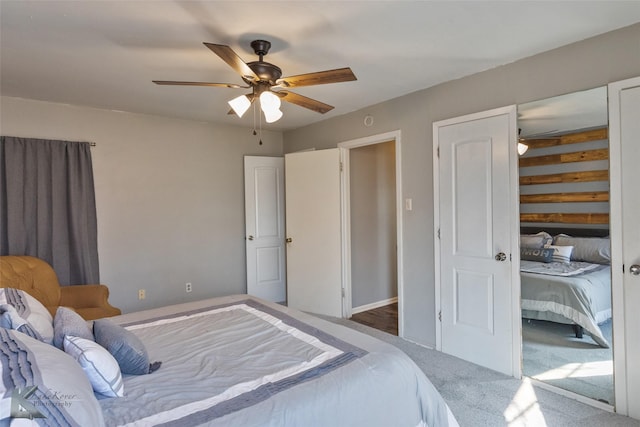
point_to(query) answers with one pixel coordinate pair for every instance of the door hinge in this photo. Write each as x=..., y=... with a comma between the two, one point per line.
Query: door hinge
x=438, y=152
x=440, y=315
x=438, y=233
x=343, y=293
x=623, y=268
x=341, y=166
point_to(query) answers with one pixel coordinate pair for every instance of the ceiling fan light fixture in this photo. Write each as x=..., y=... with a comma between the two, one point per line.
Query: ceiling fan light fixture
x=240, y=105
x=270, y=105
x=522, y=148
x=272, y=116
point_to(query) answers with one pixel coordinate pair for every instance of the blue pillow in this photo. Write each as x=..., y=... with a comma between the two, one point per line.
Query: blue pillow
x=31, y=310
x=69, y=323
x=536, y=254
x=10, y=319
x=123, y=345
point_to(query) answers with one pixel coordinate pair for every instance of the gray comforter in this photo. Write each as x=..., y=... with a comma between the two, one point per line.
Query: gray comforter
x=237, y=361
x=583, y=299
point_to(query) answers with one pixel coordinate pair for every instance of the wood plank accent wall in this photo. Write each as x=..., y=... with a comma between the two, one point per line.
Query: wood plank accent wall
x=565, y=218
x=557, y=178
x=570, y=138
x=565, y=197
x=555, y=159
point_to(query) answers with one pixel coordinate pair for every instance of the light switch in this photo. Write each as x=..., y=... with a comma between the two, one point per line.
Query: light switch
x=408, y=204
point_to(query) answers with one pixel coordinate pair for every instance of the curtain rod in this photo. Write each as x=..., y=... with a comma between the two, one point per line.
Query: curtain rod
x=92, y=144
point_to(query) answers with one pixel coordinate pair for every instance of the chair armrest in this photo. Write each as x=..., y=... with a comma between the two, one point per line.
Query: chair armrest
x=88, y=297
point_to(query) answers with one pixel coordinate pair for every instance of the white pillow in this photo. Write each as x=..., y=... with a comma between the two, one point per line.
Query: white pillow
x=100, y=366
x=31, y=310
x=561, y=253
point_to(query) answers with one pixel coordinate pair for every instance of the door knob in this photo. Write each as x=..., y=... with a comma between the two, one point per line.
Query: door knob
x=501, y=256
x=288, y=240
x=635, y=270
x=250, y=237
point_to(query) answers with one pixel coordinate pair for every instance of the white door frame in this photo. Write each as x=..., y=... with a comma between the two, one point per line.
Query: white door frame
x=514, y=229
x=344, y=147
x=620, y=359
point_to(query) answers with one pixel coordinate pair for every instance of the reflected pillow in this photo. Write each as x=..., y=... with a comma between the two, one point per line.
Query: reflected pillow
x=539, y=240
x=536, y=254
x=561, y=253
x=596, y=250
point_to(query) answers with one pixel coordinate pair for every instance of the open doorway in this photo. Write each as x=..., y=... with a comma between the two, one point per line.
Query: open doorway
x=372, y=219
x=565, y=252
x=374, y=272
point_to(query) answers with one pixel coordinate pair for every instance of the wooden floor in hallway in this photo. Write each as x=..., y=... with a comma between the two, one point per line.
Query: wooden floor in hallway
x=383, y=318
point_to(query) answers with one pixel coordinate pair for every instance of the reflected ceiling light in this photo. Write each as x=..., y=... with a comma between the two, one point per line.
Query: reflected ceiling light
x=522, y=148
x=240, y=105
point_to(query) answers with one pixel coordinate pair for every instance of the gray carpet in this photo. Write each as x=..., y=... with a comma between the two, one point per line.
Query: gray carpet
x=552, y=353
x=481, y=397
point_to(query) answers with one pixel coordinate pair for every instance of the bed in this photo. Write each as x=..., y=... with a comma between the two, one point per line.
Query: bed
x=242, y=361
x=567, y=282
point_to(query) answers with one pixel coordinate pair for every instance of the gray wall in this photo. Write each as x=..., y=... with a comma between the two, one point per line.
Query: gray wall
x=169, y=195
x=587, y=64
x=372, y=173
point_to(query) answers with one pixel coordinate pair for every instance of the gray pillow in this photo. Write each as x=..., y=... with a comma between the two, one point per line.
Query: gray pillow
x=63, y=394
x=123, y=345
x=68, y=322
x=596, y=250
x=539, y=240
x=536, y=254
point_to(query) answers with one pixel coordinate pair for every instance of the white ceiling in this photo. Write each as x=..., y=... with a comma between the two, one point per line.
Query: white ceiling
x=104, y=54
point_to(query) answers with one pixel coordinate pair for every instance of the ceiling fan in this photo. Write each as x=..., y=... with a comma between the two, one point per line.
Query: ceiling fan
x=262, y=77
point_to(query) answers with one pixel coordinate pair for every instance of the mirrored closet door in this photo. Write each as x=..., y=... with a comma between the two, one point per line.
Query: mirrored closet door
x=564, y=246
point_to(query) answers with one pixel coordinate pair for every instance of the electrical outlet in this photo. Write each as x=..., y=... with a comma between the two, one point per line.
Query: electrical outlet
x=142, y=294
x=188, y=287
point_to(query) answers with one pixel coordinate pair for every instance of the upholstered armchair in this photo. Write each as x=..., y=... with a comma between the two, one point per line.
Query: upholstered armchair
x=37, y=278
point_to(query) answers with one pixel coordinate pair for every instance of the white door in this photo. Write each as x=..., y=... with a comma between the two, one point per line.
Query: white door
x=314, y=253
x=624, y=129
x=476, y=216
x=264, y=222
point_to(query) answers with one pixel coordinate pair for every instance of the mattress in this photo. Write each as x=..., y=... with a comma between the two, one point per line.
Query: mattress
x=242, y=361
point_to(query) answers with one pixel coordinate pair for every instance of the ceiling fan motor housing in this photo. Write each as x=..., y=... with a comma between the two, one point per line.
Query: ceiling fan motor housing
x=265, y=71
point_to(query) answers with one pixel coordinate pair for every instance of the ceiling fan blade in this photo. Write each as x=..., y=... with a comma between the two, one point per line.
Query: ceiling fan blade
x=318, y=78
x=230, y=57
x=305, y=102
x=174, y=83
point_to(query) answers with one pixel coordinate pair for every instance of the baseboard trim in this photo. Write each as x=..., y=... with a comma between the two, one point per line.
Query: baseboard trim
x=373, y=305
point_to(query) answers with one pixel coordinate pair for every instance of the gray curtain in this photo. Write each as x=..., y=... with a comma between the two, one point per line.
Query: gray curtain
x=47, y=206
